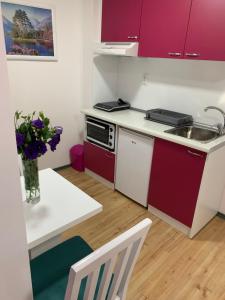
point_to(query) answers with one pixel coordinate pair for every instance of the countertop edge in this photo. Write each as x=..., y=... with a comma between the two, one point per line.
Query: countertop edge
x=204, y=147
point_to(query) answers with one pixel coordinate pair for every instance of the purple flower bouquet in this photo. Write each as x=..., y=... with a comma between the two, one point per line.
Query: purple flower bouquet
x=33, y=136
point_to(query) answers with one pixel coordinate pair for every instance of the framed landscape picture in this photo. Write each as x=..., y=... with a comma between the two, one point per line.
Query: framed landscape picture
x=29, y=31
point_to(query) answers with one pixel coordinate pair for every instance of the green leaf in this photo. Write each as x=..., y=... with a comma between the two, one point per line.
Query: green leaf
x=17, y=115
x=49, y=135
x=41, y=115
x=46, y=121
x=28, y=137
x=23, y=128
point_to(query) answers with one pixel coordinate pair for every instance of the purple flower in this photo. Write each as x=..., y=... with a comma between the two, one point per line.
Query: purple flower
x=38, y=124
x=35, y=149
x=20, y=138
x=54, y=142
x=31, y=151
x=42, y=148
x=58, y=129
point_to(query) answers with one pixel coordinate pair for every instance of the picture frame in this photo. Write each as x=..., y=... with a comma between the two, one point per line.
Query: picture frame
x=30, y=31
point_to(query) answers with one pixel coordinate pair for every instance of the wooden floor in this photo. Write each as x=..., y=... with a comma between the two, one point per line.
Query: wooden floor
x=170, y=266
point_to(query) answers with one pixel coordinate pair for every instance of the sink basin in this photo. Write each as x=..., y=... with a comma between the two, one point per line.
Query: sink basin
x=195, y=133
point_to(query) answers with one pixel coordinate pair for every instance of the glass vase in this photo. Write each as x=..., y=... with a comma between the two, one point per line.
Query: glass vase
x=31, y=180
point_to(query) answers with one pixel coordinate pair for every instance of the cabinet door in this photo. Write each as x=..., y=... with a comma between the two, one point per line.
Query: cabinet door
x=175, y=180
x=164, y=28
x=134, y=159
x=121, y=20
x=99, y=161
x=206, y=33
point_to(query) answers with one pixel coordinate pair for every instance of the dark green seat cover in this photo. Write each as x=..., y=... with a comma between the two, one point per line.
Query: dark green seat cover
x=50, y=271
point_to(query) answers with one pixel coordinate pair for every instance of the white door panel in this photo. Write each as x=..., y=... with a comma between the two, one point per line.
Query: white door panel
x=134, y=164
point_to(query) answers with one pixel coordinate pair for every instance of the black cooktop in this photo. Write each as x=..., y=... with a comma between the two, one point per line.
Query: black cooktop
x=113, y=105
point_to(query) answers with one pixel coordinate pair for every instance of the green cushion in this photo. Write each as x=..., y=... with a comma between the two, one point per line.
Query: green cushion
x=50, y=271
x=56, y=291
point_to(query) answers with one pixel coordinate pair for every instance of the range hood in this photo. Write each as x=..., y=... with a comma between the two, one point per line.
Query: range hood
x=121, y=49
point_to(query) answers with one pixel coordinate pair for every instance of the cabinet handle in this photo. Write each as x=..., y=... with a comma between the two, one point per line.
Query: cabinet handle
x=96, y=125
x=137, y=133
x=174, y=53
x=192, y=54
x=133, y=37
x=195, y=154
x=108, y=156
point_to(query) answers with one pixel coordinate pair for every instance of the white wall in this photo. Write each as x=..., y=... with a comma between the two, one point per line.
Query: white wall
x=100, y=72
x=78, y=79
x=184, y=86
x=55, y=87
x=15, y=283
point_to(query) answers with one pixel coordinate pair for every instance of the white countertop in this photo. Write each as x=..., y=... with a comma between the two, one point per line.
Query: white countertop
x=135, y=121
x=62, y=206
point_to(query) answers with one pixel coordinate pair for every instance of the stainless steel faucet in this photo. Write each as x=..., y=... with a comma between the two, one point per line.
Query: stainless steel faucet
x=221, y=127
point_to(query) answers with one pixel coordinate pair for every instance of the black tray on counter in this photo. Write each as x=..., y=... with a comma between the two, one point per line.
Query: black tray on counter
x=168, y=117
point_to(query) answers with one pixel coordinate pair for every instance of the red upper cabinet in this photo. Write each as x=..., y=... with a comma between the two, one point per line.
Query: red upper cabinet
x=121, y=20
x=175, y=180
x=206, y=32
x=164, y=27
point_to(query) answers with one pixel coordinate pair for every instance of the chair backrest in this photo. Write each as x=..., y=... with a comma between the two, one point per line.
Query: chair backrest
x=109, y=267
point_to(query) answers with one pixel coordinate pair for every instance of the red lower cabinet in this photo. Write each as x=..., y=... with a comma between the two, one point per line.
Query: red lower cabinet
x=99, y=161
x=175, y=180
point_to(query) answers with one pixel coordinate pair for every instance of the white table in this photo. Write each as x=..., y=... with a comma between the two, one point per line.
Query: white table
x=62, y=206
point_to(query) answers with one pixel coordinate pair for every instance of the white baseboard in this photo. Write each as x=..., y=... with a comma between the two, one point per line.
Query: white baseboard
x=174, y=223
x=100, y=179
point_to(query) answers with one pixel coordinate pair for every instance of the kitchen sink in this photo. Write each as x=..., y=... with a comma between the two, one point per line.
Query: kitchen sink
x=195, y=132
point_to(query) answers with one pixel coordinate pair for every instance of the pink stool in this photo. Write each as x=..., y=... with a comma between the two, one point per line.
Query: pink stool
x=77, y=157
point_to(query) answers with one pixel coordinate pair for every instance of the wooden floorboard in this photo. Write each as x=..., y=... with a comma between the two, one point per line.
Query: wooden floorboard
x=170, y=266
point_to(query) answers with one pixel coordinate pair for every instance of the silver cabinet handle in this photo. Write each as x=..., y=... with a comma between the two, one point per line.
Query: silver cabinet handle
x=195, y=154
x=174, y=53
x=192, y=54
x=137, y=133
x=108, y=156
x=133, y=37
x=96, y=125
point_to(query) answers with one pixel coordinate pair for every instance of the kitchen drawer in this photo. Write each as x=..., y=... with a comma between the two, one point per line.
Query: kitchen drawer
x=99, y=161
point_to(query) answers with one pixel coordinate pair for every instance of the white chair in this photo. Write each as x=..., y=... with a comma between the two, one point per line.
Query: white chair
x=103, y=274
x=118, y=256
